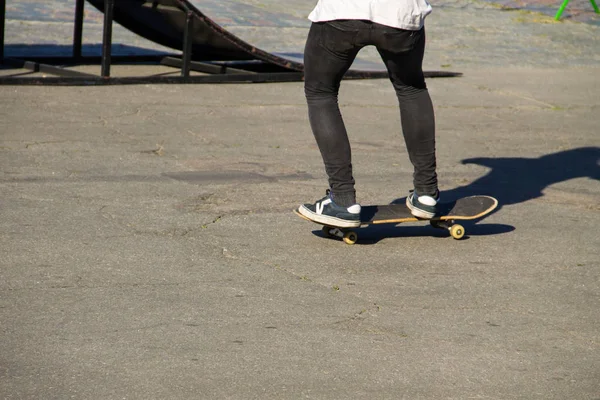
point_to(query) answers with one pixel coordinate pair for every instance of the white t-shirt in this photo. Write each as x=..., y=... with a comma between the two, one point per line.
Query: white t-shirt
x=403, y=14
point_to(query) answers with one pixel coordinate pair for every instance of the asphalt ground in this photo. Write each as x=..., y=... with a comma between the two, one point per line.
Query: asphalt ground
x=149, y=249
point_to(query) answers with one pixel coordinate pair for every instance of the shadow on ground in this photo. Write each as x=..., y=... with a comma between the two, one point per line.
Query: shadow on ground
x=517, y=180
x=376, y=233
x=24, y=51
x=510, y=180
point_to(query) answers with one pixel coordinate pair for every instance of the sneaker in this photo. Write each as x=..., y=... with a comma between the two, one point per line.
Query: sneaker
x=326, y=212
x=422, y=206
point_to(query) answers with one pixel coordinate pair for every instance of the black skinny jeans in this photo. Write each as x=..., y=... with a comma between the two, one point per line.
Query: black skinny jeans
x=331, y=48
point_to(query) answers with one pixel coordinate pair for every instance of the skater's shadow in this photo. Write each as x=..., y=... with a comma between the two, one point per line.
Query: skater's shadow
x=517, y=180
x=511, y=180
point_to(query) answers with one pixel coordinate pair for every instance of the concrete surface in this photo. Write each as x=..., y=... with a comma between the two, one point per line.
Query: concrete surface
x=149, y=249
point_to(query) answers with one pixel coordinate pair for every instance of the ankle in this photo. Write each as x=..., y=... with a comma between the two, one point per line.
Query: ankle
x=435, y=194
x=344, y=199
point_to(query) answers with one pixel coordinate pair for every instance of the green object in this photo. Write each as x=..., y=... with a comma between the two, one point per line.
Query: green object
x=564, y=5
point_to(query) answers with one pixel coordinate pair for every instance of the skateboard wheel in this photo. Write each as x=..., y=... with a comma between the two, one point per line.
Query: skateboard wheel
x=457, y=231
x=350, y=237
x=327, y=232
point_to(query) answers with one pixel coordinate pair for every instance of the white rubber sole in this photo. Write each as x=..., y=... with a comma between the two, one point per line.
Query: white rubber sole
x=327, y=220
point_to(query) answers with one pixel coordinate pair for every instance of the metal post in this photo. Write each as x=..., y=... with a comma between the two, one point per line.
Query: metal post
x=187, y=44
x=564, y=5
x=109, y=7
x=78, y=31
x=2, y=20
x=561, y=9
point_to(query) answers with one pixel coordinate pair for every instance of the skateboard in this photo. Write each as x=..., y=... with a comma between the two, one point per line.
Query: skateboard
x=466, y=208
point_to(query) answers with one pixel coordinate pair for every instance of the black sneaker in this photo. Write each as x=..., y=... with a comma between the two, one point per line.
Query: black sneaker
x=422, y=206
x=326, y=212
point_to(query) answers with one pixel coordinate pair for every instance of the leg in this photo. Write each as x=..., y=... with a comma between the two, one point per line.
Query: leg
x=404, y=62
x=328, y=55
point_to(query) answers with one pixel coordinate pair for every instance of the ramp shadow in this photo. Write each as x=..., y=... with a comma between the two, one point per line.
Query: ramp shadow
x=24, y=50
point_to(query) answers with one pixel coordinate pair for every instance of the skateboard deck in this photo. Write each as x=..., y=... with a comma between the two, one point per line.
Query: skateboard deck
x=466, y=208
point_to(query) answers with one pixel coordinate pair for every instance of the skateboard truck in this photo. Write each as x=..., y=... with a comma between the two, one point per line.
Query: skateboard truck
x=457, y=231
x=348, y=236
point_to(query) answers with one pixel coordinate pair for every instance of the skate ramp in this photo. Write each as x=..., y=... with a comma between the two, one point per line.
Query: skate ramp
x=164, y=22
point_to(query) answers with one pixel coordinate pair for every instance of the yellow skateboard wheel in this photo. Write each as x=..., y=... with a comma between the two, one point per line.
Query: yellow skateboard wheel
x=457, y=231
x=350, y=237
